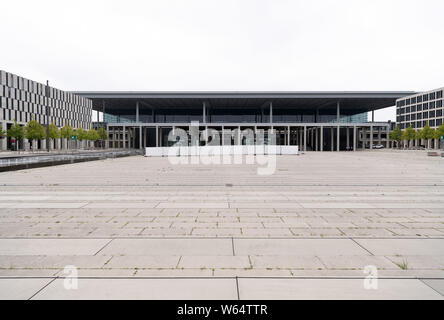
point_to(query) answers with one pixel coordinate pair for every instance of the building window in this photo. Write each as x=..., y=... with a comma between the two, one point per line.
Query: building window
x=425, y=106
x=419, y=107
x=425, y=97
x=439, y=103
x=432, y=105
x=432, y=123
x=413, y=108
x=413, y=100
x=432, y=96
x=431, y=114
x=439, y=95
x=419, y=99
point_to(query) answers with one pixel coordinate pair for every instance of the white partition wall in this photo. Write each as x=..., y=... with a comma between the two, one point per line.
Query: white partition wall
x=221, y=150
x=289, y=150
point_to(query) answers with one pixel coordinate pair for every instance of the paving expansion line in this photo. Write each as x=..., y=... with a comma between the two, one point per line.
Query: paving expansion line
x=226, y=237
x=421, y=279
x=362, y=246
x=237, y=288
x=42, y=288
x=222, y=277
x=224, y=185
x=104, y=246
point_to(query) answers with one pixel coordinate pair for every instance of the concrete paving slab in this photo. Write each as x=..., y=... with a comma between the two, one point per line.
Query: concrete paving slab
x=212, y=262
x=331, y=289
x=169, y=247
x=196, y=205
x=297, y=247
x=49, y=205
x=162, y=261
x=20, y=289
x=51, y=246
x=436, y=284
x=419, y=261
x=286, y=262
x=138, y=289
x=358, y=262
x=395, y=247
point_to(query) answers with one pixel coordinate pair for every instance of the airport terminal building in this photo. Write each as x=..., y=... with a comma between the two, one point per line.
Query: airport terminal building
x=318, y=121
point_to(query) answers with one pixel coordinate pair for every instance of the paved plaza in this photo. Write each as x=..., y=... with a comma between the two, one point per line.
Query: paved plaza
x=143, y=228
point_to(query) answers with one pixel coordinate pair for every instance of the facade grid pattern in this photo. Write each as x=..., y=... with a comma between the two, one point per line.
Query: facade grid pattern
x=421, y=109
x=23, y=100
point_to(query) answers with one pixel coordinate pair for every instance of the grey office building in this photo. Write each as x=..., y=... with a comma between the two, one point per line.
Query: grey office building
x=420, y=109
x=23, y=100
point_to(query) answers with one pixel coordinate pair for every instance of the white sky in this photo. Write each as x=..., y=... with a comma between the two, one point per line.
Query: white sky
x=226, y=44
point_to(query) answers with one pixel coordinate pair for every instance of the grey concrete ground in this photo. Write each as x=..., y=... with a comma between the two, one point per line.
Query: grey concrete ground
x=143, y=228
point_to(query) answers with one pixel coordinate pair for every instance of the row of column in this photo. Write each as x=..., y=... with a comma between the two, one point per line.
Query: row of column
x=125, y=136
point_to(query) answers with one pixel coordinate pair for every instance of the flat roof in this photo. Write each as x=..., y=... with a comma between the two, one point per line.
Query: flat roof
x=352, y=102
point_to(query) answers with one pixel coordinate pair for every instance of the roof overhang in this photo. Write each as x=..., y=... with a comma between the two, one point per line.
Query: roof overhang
x=351, y=102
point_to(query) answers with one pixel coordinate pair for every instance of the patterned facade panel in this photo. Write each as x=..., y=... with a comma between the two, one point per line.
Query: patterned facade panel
x=23, y=99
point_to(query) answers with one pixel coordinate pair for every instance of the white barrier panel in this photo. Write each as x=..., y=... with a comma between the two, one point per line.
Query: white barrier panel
x=184, y=151
x=153, y=152
x=194, y=150
x=272, y=150
x=214, y=150
x=236, y=150
x=170, y=151
x=227, y=150
x=259, y=149
x=249, y=149
x=221, y=150
x=294, y=150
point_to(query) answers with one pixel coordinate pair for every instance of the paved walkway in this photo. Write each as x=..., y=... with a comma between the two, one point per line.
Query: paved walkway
x=144, y=228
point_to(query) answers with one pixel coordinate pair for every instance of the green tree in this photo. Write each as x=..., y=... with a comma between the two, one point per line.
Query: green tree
x=440, y=131
x=396, y=135
x=409, y=134
x=66, y=131
x=34, y=131
x=16, y=132
x=54, y=132
x=427, y=134
x=82, y=134
x=2, y=132
x=102, y=134
x=92, y=135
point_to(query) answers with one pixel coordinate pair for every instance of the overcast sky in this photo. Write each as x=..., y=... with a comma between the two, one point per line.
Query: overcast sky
x=226, y=45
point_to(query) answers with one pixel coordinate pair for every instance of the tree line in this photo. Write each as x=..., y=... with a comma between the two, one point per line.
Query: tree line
x=409, y=135
x=33, y=131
